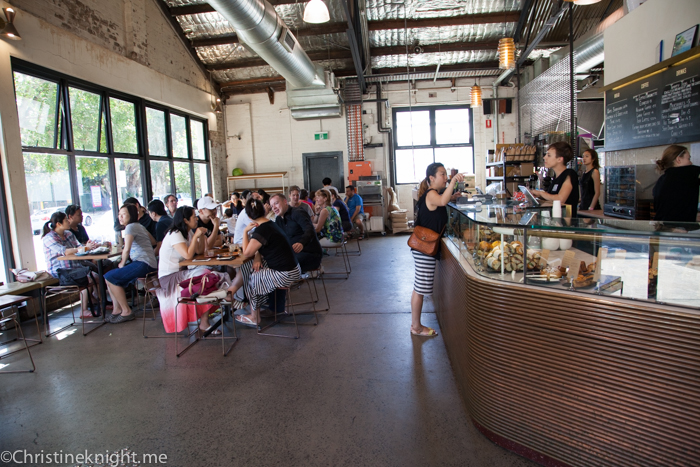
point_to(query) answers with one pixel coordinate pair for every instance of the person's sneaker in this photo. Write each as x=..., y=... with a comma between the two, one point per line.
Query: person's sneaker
x=123, y=318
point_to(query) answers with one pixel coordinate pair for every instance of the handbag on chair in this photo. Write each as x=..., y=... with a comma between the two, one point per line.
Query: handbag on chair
x=200, y=285
x=425, y=240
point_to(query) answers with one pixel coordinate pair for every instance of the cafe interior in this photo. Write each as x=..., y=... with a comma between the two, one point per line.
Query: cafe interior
x=567, y=335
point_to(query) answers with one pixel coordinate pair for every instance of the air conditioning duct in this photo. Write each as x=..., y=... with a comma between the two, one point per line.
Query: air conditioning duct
x=310, y=89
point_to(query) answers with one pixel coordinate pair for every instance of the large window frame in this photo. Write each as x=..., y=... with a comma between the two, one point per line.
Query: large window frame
x=64, y=143
x=433, y=142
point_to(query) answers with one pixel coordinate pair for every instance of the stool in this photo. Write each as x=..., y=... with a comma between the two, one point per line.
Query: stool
x=346, y=259
x=216, y=302
x=316, y=274
x=347, y=236
x=151, y=284
x=69, y=290
x=278, y=317
x=11, y=302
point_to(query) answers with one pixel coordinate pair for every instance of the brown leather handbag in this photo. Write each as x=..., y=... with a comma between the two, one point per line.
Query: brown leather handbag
x=425, y=240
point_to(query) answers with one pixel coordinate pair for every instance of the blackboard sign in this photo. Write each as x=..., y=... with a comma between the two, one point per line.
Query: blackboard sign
x=659, y=110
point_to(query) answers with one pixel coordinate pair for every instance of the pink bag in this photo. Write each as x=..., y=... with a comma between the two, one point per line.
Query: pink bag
x=202, y=285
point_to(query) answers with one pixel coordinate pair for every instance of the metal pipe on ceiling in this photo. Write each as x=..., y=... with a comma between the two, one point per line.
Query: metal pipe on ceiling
x=258, y=25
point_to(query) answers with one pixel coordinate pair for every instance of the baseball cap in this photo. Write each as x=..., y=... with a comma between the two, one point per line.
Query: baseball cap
x=206, y=203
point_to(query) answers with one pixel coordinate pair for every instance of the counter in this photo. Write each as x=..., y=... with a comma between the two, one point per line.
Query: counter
x=573, y=377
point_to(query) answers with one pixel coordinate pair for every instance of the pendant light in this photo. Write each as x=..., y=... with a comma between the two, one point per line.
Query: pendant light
x=316, y=12
x=476, y=96
x=583, y=2
x=10, y=32
x=506, y=53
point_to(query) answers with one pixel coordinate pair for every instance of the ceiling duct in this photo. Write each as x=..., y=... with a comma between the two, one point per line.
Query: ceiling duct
x=314, y=101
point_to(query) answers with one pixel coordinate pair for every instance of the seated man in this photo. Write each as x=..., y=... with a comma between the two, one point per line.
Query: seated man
x=327, y=183
x=156, y=209
x=355, y=207
x=297, y=225
x=208, y=218
x=171, y=205
x=144, y=219
x=296, y=202
x=75, y=217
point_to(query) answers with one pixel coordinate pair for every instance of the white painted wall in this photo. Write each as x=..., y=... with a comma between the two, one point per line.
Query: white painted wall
x=51, y=46
x=631, y=43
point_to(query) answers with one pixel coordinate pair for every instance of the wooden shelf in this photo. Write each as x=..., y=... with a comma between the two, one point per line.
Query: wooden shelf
x=500, y=164
x=260, y=176
x=282, y=176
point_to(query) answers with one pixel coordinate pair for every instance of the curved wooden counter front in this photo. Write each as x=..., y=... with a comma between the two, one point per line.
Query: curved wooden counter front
x=572, y=379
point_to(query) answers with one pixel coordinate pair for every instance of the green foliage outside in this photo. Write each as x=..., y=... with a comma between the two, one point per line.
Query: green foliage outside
x=178, y=132
x=36, y=103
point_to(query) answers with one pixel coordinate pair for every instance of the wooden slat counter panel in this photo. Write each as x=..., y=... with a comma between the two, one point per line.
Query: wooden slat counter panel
x=572, y=379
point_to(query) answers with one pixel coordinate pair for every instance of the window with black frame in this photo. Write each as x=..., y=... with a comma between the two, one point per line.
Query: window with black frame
x=424, y=135
x=88, y=145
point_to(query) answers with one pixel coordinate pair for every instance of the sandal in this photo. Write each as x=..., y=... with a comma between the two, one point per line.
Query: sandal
x=427, y=332
x=246, y=321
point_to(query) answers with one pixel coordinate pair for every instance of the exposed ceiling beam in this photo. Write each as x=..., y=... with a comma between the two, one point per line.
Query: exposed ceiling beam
x=268, y=81
x=354, y=41
x=481, y=18
x=543, y=32
x=250, y=62
x=206, y=8
x=432, y=48
x=328, y=28
x=521, y=21
x=492, y=65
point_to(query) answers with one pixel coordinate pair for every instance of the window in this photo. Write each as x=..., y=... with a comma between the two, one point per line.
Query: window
x=82, y=145
x=433, y=134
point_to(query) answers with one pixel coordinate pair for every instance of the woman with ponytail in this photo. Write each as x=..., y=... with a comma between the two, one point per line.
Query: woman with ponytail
x=59, y=241
x=676, y=191
x=432, y=214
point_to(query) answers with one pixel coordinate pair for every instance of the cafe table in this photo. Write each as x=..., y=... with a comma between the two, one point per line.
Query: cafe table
x=97, y=259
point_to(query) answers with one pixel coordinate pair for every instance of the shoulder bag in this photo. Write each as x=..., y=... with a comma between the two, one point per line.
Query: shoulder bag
x=425, y=240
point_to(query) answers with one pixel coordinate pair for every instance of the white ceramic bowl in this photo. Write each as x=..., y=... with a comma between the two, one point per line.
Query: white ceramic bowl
x=565, y=244
x=550, y=244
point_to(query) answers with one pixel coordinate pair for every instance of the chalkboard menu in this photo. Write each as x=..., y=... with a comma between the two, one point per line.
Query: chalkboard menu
x=655, y=111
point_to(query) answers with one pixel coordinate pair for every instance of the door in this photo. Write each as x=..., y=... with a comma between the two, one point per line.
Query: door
x=319, y=165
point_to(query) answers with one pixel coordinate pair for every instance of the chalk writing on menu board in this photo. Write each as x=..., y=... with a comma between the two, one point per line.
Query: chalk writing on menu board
x=658, y=110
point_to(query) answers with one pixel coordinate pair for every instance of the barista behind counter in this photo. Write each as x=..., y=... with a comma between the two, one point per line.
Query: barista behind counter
x=676, y=191
x=564, y=187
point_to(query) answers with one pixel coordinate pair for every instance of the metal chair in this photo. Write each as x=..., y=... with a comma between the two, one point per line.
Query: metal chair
x=340, y=248
x=347, y=236
x=151, y=285
x=69, y=290
x=222, y=337
x=10, y=302
x=279, y=317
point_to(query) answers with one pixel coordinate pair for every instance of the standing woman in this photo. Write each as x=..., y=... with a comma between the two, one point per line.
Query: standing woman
x=676, y=191
x=564, y=187
x=138, y=246
x=268, y=242
x=590, y=181
x=432, y=214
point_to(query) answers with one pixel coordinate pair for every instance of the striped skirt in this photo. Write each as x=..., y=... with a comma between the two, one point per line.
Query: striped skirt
x=425, y=273
x=266, y=280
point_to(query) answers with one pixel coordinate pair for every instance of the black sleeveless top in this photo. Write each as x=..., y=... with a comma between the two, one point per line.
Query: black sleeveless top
x=557, y=183
x=433, y=220
x=587, y=191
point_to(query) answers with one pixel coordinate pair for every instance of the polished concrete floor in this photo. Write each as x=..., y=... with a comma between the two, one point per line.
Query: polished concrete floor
x=356, y=390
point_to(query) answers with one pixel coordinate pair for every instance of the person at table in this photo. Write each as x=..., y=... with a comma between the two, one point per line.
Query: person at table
x=676, y=190
x=243, y=219
x=590, y=181
x=182, y=241
x=343, y=210
x=144, y=219
x=59, y=241
x=306, y=197
x=274, y=265
x=208, y=218
x=138, y=247
x=327, y=224
x=356, y=208
x=170, y=202
x=296, y=202
x=299, y=229
x=75, y=217
x=156, y=209
x=564, y=187
x=431, y=214
x=234, y=203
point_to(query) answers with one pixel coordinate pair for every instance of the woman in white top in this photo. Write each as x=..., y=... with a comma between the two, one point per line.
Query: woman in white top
x=183, y=241
x=138, y=245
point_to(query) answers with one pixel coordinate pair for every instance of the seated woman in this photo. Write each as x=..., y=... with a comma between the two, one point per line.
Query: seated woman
x=274, y=265
x=183, y=241
x=328, y=224
x=59, y=241
x=342, y=208
x=138, y=245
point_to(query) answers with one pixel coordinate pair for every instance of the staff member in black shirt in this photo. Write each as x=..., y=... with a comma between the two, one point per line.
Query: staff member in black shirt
x=564, y=187
x=676, y=191
x=297, y=225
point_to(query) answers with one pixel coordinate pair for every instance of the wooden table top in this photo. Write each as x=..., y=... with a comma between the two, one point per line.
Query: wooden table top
x=202, y=260
x=114, y=252
x=9, y=300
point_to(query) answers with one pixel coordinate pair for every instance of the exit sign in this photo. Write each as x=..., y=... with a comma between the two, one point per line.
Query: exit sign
x=319, y=135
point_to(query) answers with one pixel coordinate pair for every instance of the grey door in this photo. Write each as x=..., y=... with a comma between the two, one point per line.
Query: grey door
x=319, y=165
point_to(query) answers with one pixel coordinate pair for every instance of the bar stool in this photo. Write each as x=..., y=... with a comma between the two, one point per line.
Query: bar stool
x=340, y=248
x=151, y=285
x=347, y=236
x=314, y=275
x=11, y=302
x=223, y=337
x=279, y=317
x=69, y=291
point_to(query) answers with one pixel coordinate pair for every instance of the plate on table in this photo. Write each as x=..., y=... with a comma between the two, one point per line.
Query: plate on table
x=97, y=251
x=540, y=279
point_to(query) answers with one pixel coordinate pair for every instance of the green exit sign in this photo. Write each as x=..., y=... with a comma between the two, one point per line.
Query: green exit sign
x=319, y=135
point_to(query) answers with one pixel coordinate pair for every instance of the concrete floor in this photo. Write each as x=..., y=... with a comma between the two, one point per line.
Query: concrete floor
x=355, y=390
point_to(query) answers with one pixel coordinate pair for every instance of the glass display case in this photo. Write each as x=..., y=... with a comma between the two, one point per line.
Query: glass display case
x=636, y=260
